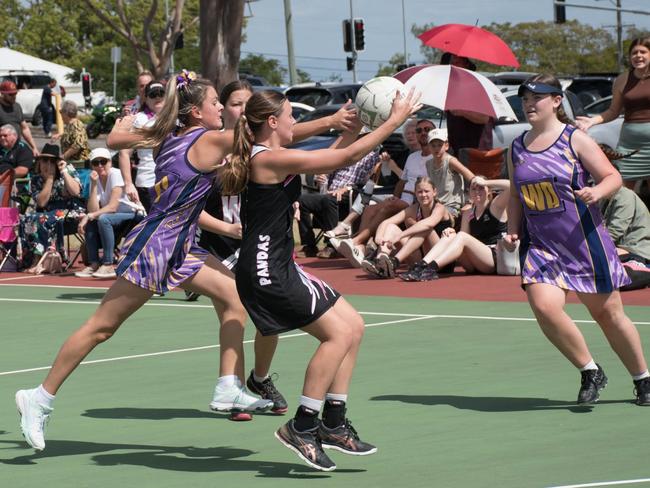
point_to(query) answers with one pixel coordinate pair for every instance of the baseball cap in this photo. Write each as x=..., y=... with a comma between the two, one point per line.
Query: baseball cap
x=439, y=134
x=8, y=87
x=539, y=88
x=100, y=152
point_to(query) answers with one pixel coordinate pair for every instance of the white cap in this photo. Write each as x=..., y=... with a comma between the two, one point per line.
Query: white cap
x=440, y=134
x=100, y=152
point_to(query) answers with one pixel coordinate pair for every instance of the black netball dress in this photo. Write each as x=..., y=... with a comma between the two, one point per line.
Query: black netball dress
x=277, y=293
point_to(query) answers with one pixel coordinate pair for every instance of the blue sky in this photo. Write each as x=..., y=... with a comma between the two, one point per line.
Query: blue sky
x=317, y=34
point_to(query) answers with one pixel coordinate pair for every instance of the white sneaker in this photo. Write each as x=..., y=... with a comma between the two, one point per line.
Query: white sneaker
x=341, y=230
x=236, y=397
x=104, y=271
x=33, y=418
x=350, y=251
x=87, y=272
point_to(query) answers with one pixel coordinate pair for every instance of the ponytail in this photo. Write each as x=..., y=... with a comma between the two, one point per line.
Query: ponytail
x=234, y=176
x=563, y=117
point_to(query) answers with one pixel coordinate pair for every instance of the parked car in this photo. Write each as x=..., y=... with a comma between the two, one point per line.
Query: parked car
x=319, y=94
x=30, y=85
x=599, y=106
x=591, y=88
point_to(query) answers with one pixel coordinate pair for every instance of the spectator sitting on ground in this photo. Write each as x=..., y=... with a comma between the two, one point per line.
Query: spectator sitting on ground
x=628, y=222
x=15, y=156
x=423, y=223
x=74, y=140
x=12, y=113
x=415, y=166
x=56, y=190
x=108, y=209
x=474, y=246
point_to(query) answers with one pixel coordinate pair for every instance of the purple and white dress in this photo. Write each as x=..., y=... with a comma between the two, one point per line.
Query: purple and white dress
x=564, y=242
x=160, y=253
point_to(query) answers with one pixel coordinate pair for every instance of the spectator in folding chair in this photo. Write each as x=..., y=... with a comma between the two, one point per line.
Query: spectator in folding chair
x=109, y=208
x=55, y=189
x=16, y=159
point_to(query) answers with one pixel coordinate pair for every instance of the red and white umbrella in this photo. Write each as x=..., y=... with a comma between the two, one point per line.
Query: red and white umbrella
x=450, y=88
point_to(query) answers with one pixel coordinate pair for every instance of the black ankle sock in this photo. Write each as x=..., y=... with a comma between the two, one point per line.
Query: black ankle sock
x=333, y=413
x=434, y=266
x=305, y=419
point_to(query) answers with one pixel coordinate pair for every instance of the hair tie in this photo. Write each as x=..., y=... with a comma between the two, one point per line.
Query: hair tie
x=184, y=79
x=243, y=117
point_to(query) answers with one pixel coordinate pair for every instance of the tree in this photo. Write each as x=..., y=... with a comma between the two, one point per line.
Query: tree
x=151, y=37
x=221, y=36
x=392, y=67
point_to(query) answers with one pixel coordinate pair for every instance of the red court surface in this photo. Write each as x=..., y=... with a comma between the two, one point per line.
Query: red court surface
x=349, y=281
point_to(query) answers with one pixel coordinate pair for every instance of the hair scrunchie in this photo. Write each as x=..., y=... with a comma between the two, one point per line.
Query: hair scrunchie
x=184, y=79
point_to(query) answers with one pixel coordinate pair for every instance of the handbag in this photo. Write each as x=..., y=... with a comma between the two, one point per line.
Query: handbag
x=507, y=261
x=51, y=262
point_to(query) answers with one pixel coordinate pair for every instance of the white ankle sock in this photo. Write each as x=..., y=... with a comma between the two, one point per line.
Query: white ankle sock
x=228, y=380
x=44, y=398
x=638, y=377
x=337, y=396
x=311, y=403
x=259, y=379
x=590, y=365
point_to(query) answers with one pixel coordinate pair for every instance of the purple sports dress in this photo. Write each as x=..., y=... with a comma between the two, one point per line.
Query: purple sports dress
x=564, y=241
x=160, y=253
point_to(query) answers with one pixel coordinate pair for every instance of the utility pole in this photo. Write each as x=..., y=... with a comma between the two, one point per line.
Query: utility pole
x=354, y=47
x=619, y=37
x=293, y=73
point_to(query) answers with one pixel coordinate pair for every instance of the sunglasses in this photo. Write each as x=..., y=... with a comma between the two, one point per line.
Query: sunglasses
x=99, y=162
x=156, y=94
x=420, y=130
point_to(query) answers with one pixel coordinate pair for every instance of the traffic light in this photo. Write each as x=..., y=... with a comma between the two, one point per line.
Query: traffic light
x=350, y=63
x=347, y=36
x=85, y=84
x=359, y=41
x=560, y=11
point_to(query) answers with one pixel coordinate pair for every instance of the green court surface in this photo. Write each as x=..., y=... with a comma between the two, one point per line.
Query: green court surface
x=453, y=393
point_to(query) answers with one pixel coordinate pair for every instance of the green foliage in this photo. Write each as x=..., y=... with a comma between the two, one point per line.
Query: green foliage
x=391, y=68
x=261, y=66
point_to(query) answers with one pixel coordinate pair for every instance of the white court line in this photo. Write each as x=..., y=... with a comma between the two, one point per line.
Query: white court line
x=605, y=483
x=527, y=319
x=200, y=348
x=50, y=286
x=28, y=277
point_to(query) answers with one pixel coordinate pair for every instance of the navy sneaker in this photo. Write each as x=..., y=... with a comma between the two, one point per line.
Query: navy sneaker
x=267, y=390
x=306, y=445
x=592, y=381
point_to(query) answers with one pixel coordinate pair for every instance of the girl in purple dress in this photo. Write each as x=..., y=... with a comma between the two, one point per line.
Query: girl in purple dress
x=564, y=245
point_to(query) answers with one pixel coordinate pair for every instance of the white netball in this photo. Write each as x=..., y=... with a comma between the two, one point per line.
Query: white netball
x=375, y=99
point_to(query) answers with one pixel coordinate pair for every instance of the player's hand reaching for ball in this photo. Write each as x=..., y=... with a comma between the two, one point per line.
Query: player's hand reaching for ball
x=404, y=107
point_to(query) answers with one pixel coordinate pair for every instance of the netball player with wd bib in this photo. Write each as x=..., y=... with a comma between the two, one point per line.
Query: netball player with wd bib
x=564, y=244
x=278, y=295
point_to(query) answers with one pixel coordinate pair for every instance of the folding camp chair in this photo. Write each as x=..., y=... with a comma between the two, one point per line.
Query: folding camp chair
x=9, y=220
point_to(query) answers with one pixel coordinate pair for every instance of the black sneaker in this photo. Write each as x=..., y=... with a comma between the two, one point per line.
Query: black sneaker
x=345, y=439
x=642, y=391
x=591, y=382
x=191, y=296
x=267, y=390
x=306, y=445
x=414, y=271
x=428, y=273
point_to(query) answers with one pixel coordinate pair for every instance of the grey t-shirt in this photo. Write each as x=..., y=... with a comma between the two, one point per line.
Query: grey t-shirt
x=11, y=114
x=448, y=184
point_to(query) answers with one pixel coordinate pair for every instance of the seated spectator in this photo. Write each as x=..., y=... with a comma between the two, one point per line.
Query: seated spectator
x=325, y=206
x=74, y=140
x=447, y=173
x=423, y=222
x=474, y=246
x=628, y=222
x=56, y=190
x=108, y=209
x=16, y=157
x=415, y=166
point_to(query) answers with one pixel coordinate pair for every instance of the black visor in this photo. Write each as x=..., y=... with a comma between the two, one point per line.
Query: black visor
x=539, y=88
